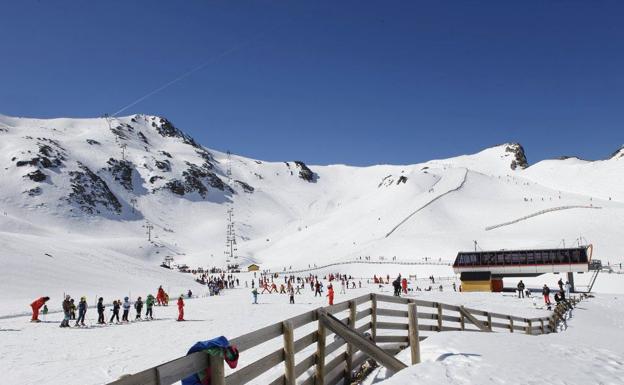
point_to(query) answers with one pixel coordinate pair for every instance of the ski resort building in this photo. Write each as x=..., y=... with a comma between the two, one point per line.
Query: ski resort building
x=485, y=270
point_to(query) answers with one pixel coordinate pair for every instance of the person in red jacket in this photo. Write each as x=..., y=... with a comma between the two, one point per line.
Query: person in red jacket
x=160, y=296
x=180, y=309
x=330, y=294
x=404, y=285
x=36, y=305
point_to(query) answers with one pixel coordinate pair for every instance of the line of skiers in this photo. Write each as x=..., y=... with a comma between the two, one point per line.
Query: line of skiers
x=69, y=309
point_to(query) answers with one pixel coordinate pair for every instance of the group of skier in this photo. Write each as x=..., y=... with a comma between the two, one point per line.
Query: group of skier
x=69, y=309
x=560, y=296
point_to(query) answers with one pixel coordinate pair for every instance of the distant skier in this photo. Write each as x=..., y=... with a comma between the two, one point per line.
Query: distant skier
x=181, y=308
x=115, y=310
x=126, y=309
x=254, y=293
x=189, y=294
x=149, y=304
x=82, y=311
x=100, y=310
x=35, y=306
x=546, y=294
x=66, y=312
x=291, y=293
x=404, y=285
x=160, y=296
x=138, y=305
x=520, y=289
x=330, y=294
x=72, y=309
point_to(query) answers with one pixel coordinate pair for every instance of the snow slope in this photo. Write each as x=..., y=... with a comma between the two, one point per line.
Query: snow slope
x=582, y=354
x=76, y=196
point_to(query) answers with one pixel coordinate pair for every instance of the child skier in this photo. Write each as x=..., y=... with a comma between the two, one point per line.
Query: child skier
x=254, y=292
x=181, y=308
x=115, y=310
x=149, y=302
x=100, y=310
x=291, y=293
x=126, y=309
x=82, y=311
x=330, y=294
x=35, y=306
x=72, y=309
x=138, y=305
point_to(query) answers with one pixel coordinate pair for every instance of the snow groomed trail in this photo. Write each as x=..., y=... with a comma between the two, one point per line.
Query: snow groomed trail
x=541, y=212
x=458, y=187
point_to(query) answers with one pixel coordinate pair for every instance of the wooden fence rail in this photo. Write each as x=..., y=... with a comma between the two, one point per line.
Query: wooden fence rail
x=311, y=359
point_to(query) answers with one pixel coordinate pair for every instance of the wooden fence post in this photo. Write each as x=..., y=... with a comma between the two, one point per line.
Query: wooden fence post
x=217, y=370
x=374, y=316
x=289, y=353
x=439, y=317
x=530, y=325
x=462, y=321
x=542, y=326
x=489, y=321
x=414, y=339
x=350, y=347
x=511, y=329
x=319, y=378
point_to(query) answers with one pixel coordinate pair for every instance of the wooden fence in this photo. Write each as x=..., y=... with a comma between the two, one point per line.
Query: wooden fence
x=314, y=359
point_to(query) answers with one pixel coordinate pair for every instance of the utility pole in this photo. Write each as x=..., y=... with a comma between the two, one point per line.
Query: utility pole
x=123, y=151
x=149, y=228
x=475, y=245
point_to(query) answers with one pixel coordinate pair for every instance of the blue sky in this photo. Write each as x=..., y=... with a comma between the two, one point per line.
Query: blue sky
x=355, y=82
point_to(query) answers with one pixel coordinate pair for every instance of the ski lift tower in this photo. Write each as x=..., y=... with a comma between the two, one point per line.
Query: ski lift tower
x=230, y=239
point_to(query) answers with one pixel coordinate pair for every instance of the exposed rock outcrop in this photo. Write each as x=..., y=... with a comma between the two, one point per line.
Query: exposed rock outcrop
x=520, y=158
x=305, y=173
x=91, y=193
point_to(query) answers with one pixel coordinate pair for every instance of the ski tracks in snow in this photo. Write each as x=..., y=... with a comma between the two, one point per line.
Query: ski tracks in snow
x=458, y=187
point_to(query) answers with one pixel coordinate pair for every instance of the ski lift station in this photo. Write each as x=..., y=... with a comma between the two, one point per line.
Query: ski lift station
x=485, y=270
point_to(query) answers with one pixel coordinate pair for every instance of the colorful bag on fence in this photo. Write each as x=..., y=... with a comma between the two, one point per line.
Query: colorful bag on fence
x=217, y=346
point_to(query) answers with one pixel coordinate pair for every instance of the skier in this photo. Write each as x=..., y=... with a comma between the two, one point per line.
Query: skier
x=100, y=310
x=330, y=294
x=567, y=287
x=160, y=296
x=115, y=310
x=66, y=312
x=560, y=283
x=138, y=305
x=126, y=309
x=291, y=293
x=546, y=294
x=404, y=285
x=254, y=293
x=396, y=284
x=189, y=294
x=181, y=308
x=72, y=310
x=82, y=311
x=149, y=303
x=36, y=305
x=520, y=289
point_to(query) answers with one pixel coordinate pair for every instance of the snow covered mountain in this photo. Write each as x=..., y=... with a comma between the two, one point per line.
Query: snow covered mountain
x=77, y=195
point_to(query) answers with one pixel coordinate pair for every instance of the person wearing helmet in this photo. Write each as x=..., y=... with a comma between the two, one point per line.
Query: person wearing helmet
x=138, y=305
x=100, y=310
x=126, y=310
x=66, y=312
x=82, y=311
x=149, y=303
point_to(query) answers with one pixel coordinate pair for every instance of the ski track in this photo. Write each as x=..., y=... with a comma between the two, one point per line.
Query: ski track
x=541, y=212
x=461, y=184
